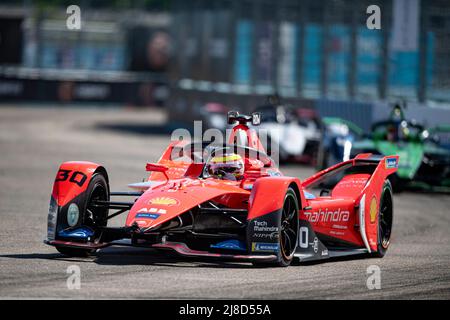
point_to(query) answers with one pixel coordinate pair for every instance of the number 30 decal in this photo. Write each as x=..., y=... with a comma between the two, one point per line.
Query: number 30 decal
x=76, y=177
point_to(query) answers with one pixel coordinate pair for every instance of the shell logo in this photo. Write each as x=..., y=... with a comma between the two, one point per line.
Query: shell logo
x=164, y=201
x=373, y=209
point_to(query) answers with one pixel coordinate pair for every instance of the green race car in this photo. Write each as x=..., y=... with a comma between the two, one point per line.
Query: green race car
x=424, y=160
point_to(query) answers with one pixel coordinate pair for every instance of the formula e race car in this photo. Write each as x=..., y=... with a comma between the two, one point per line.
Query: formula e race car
x=294, y=132
x=424, y=156
x=228, y=201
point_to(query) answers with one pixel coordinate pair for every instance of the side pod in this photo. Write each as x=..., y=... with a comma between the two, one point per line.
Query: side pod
x=264, y=217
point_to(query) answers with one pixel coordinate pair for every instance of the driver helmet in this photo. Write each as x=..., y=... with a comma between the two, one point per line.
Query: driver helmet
x=229, y=166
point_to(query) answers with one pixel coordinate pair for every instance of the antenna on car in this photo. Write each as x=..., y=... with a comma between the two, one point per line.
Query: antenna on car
x=234, y=116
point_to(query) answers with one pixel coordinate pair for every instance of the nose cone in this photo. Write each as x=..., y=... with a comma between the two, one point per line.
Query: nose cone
x=163, y=203
x=155, y=209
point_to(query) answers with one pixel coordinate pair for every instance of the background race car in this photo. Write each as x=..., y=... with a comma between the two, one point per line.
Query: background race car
x=335, y=146
x=293, y=133
x=424, y=156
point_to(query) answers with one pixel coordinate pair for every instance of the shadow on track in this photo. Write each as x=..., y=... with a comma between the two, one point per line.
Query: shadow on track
x=134, y=256
x=141, y=256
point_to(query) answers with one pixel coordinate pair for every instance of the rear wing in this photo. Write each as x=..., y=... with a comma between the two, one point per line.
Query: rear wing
x=386, y=165
x=369, y=201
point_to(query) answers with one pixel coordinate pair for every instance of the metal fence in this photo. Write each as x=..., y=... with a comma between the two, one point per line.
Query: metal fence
x=305, y=50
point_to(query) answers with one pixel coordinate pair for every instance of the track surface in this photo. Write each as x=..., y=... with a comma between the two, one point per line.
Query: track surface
x=33, y=142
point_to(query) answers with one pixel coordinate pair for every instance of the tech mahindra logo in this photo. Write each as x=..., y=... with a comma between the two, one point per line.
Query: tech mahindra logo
x=328, y=216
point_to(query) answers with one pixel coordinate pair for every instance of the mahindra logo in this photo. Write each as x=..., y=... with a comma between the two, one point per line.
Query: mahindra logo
x=328, y=216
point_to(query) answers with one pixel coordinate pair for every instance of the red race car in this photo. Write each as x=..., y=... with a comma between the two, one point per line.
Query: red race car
x=228, y=201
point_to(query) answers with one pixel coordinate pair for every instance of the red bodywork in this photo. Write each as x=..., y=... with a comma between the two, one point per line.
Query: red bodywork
x=174, y=188
x=72, y=180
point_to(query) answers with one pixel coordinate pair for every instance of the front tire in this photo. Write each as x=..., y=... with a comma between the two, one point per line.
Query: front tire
x=92, y=217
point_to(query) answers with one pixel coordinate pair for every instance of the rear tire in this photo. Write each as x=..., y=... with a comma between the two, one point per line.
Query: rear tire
x=287, y=233
x=98, y=189
x=385, y=220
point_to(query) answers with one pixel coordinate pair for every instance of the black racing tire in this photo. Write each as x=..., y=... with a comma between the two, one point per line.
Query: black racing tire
x=287, y=233
x=385, y=220
x=98, y=189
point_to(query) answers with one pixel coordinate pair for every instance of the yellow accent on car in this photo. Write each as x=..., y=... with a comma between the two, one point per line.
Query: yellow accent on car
x=229, y=158
x=166, y=201
x=373, y=210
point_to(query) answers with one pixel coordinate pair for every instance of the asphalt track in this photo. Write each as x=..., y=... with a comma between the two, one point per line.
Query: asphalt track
x=33, y=141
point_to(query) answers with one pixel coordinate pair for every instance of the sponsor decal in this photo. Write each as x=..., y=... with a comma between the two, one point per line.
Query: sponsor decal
x=264, y=247
x=262, y=226
x=324, y=252
x=152, y=210
x=355, y=182
x=391, y=163
x=337, y=226
x=147, y=215
x=316, y=245
x=164, y=201
x=230, y=244
x=337, y=233
x=328, y=216
x=270, y=236
x=373, y=209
